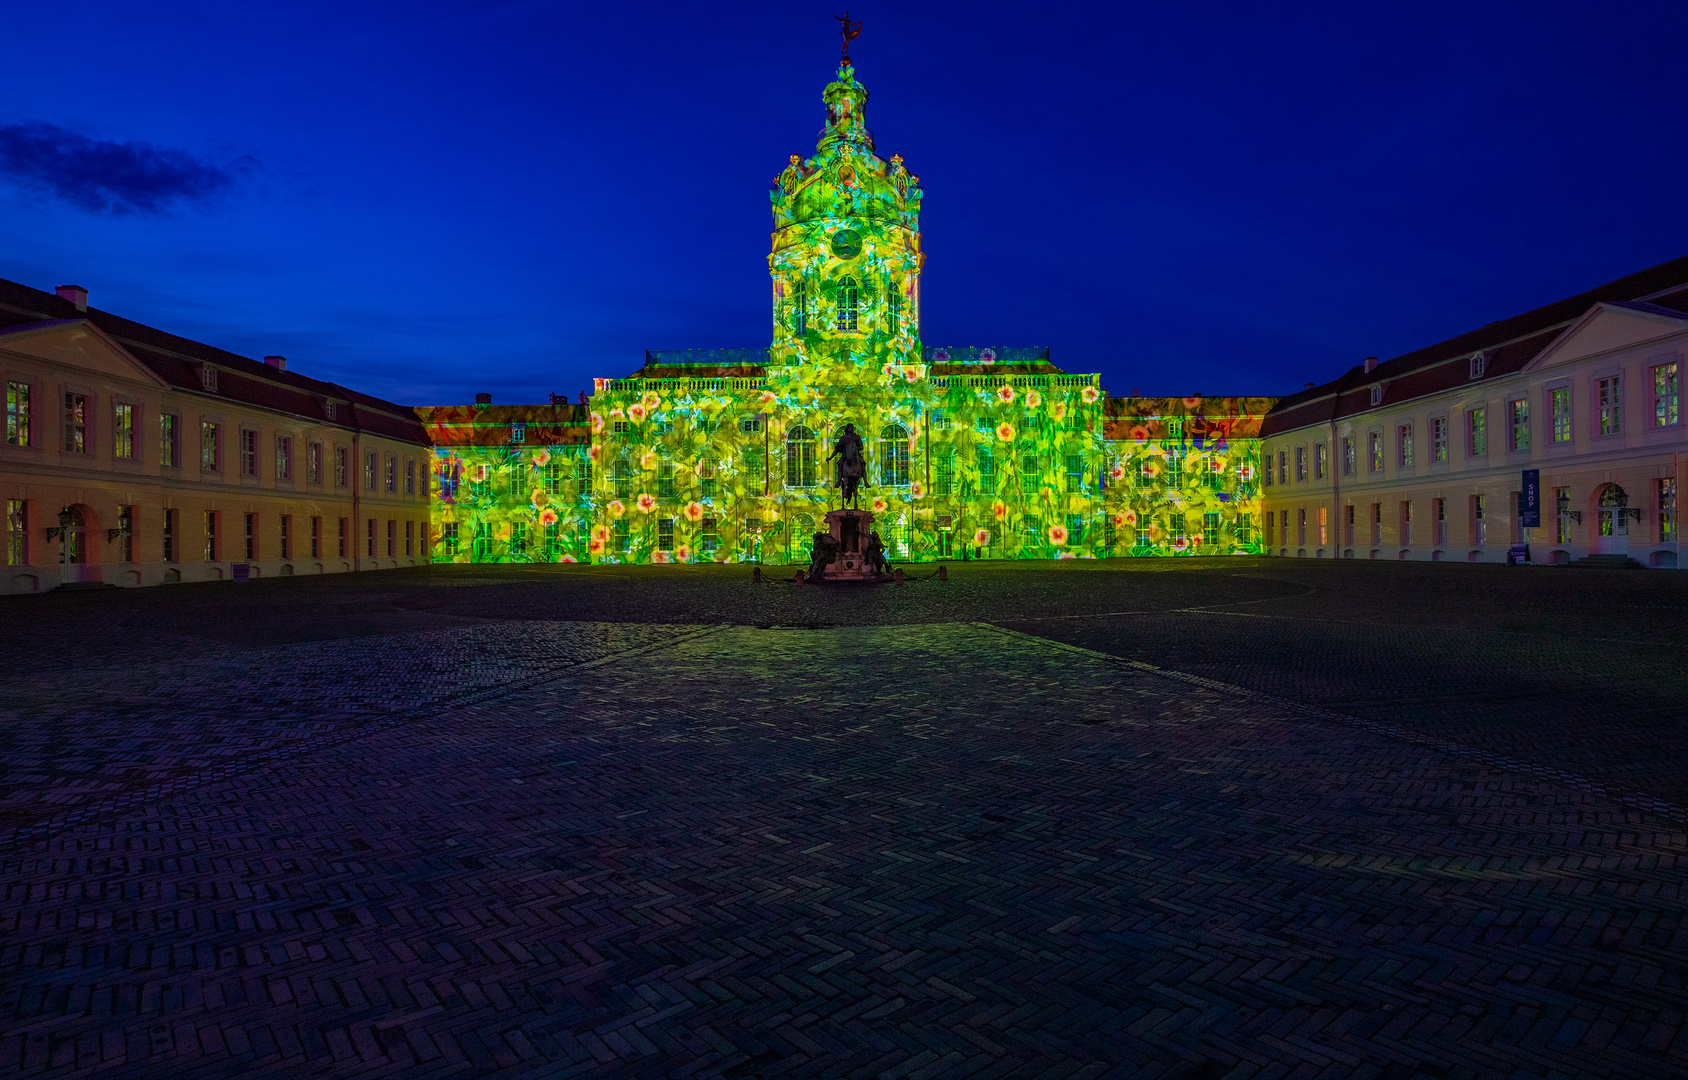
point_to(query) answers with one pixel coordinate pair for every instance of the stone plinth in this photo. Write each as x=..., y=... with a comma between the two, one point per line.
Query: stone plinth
x=851, y=528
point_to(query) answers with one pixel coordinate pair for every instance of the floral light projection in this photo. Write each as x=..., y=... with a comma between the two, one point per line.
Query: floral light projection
x=720, y=455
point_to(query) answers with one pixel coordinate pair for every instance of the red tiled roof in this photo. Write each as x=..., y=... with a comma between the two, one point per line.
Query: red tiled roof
x=251, y=382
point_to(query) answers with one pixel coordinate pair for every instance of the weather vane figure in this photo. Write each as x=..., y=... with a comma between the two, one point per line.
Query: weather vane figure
x=849, y=31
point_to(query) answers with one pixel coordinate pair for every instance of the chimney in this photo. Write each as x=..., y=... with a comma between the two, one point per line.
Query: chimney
x=76, y=294
x=277, y=362
x=1309, y=386
x=1371, y=364
x=482, y=400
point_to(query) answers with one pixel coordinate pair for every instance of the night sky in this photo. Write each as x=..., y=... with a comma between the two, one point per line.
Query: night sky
x=426, y=200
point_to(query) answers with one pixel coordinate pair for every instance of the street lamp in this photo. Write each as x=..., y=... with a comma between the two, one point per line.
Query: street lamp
x=66, y=516
x=1563, y=505
x=1624, y=509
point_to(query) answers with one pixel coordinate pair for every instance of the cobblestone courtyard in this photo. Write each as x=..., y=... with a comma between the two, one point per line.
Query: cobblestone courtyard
x=1239, y=818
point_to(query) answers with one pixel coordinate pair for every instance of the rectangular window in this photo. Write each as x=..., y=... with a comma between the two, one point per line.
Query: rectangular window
x=481, y=552
x=943, y=472
x=665, y=534
x=1301, y=528
x=168, y=445
x=709, y=538
x=1479, y=520
x=316, y=538
x=1477, y=433
x=1518, y=424
x=169, y=536
x=284, y=457
x=1439, y=439
x=1242, y=531
x=1324, y=525
x=1348, y=525
x=1404, y=446
x=393, y=536
x=410, y=476
x=1210, y=529
x=1283, y=468
x=1562, y=523
x=210, y=448
x=251, y=537
x=1559, y=405
x=392, y=474
x=1406, y=524
x=1665, y=492
x=1440, y=508
x=1376, y=524
x=1319, y=464
x=1283, y=528
x=342, y=545
x=75, y=423
x=286, y=536
x=1300, y=464
x=371, y=465
x=123, y=431
x=665, y=481
x=313, y=463
x=248, y=452
x=17, y=532
x=1374, y=459
x=371, y=538
x=1271, y=524
x=448, y=537
x=1611, y=405
x=210, y=536
x=750, y=424
x=1266, y=473
x=518, y=433
x=410, y=537
x=17, y=414
x=340, y=468
x=1665, y=396
x=1075, y=473
x=1348, y=456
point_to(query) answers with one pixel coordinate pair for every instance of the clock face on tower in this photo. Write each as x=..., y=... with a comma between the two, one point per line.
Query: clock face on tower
x=846, y=244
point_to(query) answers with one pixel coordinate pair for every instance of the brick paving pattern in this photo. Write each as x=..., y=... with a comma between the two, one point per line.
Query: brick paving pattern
x=882, y=851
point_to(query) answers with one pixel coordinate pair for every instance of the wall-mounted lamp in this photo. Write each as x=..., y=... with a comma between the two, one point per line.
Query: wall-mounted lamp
x=66, y=516
x=1563, y=505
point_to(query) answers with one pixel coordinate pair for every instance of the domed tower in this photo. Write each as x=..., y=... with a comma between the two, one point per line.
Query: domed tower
x=846, y=245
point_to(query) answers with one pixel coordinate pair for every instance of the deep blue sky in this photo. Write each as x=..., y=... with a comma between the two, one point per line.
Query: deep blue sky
x=430, y=199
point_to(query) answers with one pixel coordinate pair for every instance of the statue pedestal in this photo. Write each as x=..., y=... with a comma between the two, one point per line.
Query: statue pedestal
x=851, y=529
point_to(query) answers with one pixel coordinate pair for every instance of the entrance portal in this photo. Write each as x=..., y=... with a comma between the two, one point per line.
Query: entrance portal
x=1611, y=528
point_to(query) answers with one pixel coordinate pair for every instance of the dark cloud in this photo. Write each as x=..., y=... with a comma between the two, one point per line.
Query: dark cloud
x=113, y=177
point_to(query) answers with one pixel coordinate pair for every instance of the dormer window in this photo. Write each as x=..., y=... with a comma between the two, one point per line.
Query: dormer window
x=1377, y=394
x=1478, y=362
x=208, y=378
x=328, y=408
x=518, y=433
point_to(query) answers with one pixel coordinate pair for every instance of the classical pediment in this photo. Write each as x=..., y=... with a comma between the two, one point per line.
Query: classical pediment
x=1608, y=327
x=77, y=343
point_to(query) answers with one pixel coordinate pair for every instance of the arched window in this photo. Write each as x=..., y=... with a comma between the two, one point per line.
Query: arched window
x=800, y=457
x=893, y=455
x=800, y=310
x=894, y=303
x=847, y=302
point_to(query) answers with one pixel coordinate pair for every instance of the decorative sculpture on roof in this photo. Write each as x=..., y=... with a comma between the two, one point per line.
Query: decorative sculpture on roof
x=849, y=31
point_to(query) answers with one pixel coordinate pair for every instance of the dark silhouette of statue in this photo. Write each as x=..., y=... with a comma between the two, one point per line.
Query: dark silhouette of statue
x=851, y=469
x=874, y=553
x=823, y=551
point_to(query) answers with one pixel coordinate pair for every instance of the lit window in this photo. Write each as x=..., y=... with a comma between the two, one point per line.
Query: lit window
x=1374, y=460
x=1518, y=419
x=800, y=468
x=210, y=448
x=1319, y=465
x=313, y=463
x=1559, y=400
x=848, y=298
x=284, y=458
x=1611, y=406
x=1665, y=490
x=893, y=456
x=75, y=423
x=123, y=431
x=1439, y=439
x=1477, y=433
x=665, y=534
x=17, y=532
x=1404, y=446
x=17, y=414
x=1665, y=397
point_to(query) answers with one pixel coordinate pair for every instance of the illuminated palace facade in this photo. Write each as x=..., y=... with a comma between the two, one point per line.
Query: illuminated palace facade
x=721, y=455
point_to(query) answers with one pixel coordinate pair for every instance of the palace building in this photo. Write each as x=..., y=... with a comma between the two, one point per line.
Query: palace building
x=136, y=457
x=1425, y=457
x=721, y=455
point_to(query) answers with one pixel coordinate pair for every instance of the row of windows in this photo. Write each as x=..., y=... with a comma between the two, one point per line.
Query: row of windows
x=1611, y=519
x=1607, y=419
x=317, y=539
x=846, y=306
x=78, y=438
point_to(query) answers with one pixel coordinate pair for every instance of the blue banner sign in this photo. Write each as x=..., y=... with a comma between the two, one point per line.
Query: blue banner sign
x=1529, y=500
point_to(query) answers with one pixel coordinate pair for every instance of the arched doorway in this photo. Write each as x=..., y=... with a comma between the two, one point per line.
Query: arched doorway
x=1611, y=522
